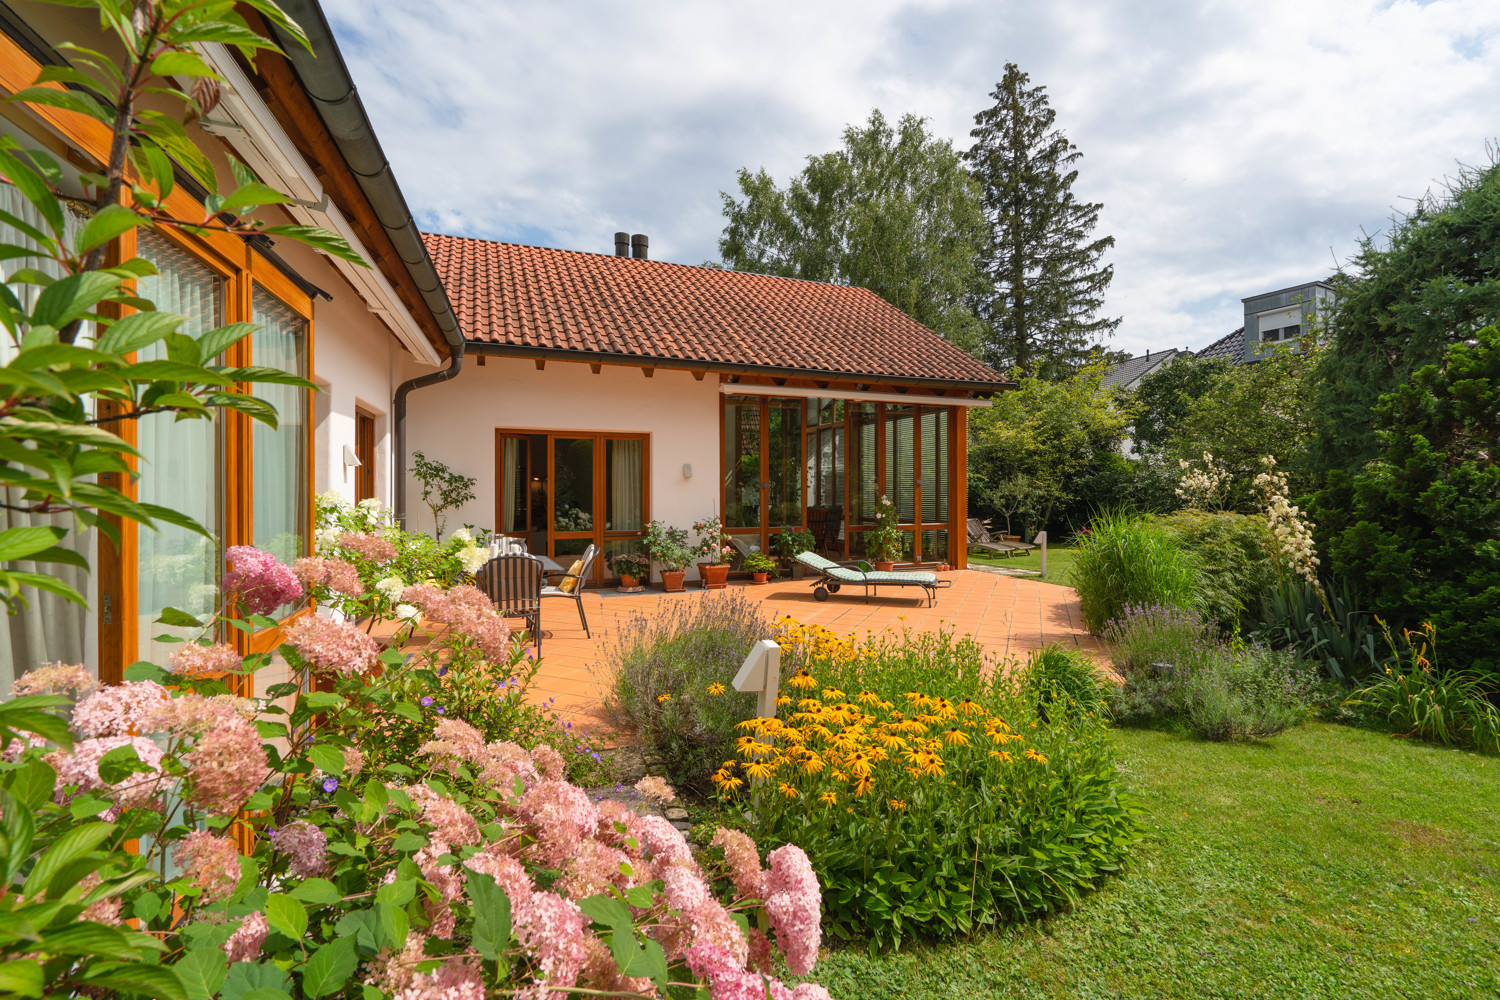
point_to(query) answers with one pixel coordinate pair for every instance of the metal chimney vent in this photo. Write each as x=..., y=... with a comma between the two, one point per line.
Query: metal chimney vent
x=622, y=244
x=638, y=246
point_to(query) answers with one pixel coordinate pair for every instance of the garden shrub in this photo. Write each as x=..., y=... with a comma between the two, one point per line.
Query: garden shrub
x=1059, y=680
x=1174, y=666
x=1233, y=556
x=1127, y=559
x=669, y=680
x=931, y=804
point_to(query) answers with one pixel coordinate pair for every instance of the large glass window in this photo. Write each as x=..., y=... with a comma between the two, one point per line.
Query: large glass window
x=742, y=462
x=573, y=485
x=181, y=460
x=279, y=478
x=624, y=484
x=515, y=485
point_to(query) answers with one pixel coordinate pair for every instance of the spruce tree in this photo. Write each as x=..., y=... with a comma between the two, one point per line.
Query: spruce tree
x=1045, y=281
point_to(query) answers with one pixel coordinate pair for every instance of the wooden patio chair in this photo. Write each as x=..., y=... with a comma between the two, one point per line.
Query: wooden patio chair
x=570, y=583
x=980, y=538
x=514, y=584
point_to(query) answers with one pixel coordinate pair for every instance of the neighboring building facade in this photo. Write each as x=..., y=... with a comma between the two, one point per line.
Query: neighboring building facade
x=1127, y=376
x=602, y=392
x=348, y=328
x=1275, y=319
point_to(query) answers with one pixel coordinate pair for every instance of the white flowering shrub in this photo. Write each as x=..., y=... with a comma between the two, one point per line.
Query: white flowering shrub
x=1205, y=488
x=1291, y=531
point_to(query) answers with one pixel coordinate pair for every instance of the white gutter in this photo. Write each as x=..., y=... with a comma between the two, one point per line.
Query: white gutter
x=798, y=392
x=258, y=139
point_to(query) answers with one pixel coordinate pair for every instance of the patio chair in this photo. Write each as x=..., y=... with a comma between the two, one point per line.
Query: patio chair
x=980, y=538
x=831, y=538
x=833, y=575
x=570, y=583
x=514, y=584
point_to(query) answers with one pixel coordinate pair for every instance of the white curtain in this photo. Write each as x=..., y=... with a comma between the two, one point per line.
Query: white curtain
x=510, y=460
x=181, y=460
x=48, y=628
x=280, y=454
x=626, y=485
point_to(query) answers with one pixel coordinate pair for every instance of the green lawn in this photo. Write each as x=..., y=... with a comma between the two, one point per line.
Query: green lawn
x=1328, y=862
x=1060, y=557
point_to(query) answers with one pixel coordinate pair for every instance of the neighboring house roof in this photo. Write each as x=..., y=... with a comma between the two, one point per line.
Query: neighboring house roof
x=1128, y=374
x=535, y=301
x=1230, y=347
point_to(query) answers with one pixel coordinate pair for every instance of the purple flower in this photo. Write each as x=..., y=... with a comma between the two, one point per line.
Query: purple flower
x=443, y=671
x=329, y=784
x=426, y=700
x=441, y=710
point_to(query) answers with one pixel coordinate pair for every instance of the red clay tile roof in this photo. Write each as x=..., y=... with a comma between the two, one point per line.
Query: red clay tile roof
x=535, y=297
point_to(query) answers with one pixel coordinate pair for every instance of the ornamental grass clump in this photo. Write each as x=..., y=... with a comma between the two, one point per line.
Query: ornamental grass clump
x=668, y=680
x=1126, y=559
x=929, y=811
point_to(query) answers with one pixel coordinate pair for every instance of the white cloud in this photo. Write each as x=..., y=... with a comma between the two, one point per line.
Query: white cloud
x=1237, y=146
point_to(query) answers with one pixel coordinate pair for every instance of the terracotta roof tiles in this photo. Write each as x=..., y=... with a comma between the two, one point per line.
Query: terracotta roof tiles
x=536, y=297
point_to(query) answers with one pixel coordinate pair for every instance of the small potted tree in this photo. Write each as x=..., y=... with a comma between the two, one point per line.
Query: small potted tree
x=670, y=550
x=884, y=542
x=760, y=565
x=713, y=553
x=791, y=542
x=632, y=568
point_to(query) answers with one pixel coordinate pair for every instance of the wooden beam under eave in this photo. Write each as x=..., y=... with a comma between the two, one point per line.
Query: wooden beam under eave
x=699, y=375
x=648, y=372
x=541, y=364
x=595, y=367
x=481, y=360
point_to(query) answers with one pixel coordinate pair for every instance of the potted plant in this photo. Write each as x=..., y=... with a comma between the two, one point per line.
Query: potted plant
x=669, y=548
x=760, y=565
x=632, y=567
x=884, y=542
x=791, y=542
x=713, y=553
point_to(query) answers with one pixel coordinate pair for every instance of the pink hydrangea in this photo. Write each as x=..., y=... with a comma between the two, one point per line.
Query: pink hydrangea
x=245, y=943
x=701, y=921
x=336, y=575
x=81, y=768
x=760, y=952
x=451, y=823
x=354, y=761
x=549, y=761
x=208, y=862
x=228, y=765
x=810, y=991
x=601, y=972
x=794, y=903
x=258, y=582
x=305, y=846
x=560, y=816
x=101, y=911
x=594, y=869
x=192, y=713
x=656, y=789
x=666, y=845
x=612, y=812
x=455, y=979
x=555, y=931
x=55, y=678
x=743, y=858
x=505, y=870
x=456, y=740
x=393, y=972
x=371, y=548
x=504, y=763
x=448, y=882
x=468, y=611
x=119, y=709
x=196, y=660
x=331, y=646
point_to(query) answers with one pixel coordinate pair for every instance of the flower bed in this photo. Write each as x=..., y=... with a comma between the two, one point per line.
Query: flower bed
x=932, y=799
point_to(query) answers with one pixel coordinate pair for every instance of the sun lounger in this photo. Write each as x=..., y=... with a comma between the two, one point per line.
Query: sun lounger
x=833, y=575
x=980, y=538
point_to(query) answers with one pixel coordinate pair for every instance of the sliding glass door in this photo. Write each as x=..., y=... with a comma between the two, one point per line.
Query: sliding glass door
x=762, y=471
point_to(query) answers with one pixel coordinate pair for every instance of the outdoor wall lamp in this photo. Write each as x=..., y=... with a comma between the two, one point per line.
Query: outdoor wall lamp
x=351, y=460
x=687, y=471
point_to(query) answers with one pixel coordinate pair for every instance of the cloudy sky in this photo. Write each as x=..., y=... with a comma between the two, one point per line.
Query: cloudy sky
x=1238, y=146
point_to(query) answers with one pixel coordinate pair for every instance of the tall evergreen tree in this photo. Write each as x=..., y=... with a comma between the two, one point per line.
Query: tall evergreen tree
x=1045, y=281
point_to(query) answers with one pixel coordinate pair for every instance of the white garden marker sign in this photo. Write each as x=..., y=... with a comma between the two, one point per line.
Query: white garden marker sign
x=761, y=673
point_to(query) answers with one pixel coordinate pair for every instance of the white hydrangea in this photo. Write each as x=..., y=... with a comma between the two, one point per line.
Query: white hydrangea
x=407, y=612
x=390, y=588
x=462, y=536
x=472, y=558
x=326, y=538
x=332, y=498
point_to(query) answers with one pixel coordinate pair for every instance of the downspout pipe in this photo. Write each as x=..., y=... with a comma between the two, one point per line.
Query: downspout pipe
x=326, y=80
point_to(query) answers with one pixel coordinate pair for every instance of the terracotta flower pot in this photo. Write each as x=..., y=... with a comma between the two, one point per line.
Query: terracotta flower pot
x=715, y=576
x=671, y=580
x=884, y=566
x=627, y=581
x=760, y=577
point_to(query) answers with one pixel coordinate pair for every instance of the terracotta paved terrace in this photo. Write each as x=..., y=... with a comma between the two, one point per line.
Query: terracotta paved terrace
x=1008, y=615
